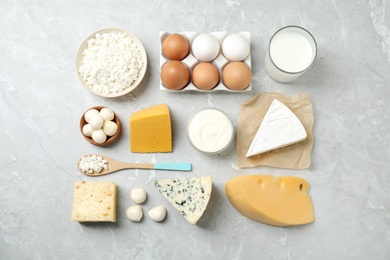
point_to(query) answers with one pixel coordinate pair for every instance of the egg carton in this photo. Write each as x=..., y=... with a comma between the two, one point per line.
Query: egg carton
x=220, y=61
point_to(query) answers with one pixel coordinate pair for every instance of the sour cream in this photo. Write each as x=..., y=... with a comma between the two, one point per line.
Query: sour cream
x=210, y=131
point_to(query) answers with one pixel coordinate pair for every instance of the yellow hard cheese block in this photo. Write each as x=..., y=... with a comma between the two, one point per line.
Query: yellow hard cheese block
x=94, y=202
x=150, y=130
x=277, y=201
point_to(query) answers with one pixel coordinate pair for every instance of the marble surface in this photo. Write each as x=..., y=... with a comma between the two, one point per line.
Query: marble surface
x=41, y=101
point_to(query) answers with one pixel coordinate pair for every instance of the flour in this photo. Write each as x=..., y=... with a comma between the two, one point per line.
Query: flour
x=111, y=63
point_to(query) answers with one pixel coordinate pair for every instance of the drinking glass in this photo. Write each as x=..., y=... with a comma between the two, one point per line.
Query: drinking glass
x=291, y=52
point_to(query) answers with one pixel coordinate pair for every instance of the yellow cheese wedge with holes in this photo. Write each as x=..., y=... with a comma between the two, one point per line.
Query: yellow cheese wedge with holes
x=277, y=201
x=150, y=130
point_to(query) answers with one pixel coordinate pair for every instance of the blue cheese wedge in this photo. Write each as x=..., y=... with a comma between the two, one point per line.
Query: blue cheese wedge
x=279, y=128
x=94, y=202
x=189, y=196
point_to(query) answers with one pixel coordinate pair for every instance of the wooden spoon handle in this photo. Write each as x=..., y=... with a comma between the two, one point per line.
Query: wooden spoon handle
x=122, y=165
x=156, y=166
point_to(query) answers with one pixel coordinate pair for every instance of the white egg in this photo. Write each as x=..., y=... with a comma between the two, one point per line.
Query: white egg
x=138, y=195
x=96, y=122
x=87, y=130
x=205, y=47
x=107, y=114
x=90, y=113
x=110, y=128
x=158, y=213
x=235, y=47
x=134, y=213
x=99, y=136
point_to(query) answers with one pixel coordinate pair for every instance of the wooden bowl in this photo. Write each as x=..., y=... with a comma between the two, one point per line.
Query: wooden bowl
x=110, y=139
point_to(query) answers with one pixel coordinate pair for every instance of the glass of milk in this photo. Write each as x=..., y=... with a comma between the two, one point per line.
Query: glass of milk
x=291, y=51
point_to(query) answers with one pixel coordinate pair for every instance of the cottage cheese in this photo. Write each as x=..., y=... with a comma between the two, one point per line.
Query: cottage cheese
x=92, y=164
x=111, y=63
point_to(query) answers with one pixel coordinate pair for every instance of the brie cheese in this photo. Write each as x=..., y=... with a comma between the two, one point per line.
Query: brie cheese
x=189, y=196
x=279, y=128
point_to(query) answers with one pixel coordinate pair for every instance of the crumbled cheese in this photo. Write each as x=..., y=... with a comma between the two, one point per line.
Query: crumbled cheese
x=111, y=63
x=92, y=164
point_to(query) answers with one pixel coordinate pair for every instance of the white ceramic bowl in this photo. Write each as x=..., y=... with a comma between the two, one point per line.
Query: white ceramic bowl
x=210, y=131
x=132, y=86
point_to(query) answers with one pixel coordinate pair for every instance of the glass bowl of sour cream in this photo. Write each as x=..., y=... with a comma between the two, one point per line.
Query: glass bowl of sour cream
x=210, y=131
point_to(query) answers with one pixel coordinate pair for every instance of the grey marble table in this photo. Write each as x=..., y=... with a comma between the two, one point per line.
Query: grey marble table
x=41, y=101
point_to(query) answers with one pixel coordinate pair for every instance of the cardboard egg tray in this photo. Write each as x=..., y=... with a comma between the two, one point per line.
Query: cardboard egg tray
x=220, y=61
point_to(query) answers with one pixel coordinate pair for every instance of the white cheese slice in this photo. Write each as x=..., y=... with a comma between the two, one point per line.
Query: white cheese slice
x=189, y=196
x=279, y=128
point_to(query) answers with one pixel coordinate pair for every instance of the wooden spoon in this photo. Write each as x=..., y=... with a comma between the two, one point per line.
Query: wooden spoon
x=114, y=165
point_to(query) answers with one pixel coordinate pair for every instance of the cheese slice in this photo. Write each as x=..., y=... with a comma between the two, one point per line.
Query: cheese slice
x=277, y=201
x=279, y=128
x=94, y=202
x=150, y=130
x=189, y=196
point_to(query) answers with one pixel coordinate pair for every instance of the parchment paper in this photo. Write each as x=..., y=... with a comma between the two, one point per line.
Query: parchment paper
x=252, y=112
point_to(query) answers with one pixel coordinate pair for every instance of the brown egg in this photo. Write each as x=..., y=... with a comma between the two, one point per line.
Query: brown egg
x=175, y=75
x=205, y=76
x=236, y=75
x=175, y=47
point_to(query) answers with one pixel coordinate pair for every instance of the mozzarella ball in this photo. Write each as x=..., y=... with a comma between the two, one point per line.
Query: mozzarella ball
x=96, y=122
x=89, y=114
x=110, y=128
x=138, y=195
x=87, y=130
x=134, y=213
x=158, y=213
x=107, y=114
x=99, y=136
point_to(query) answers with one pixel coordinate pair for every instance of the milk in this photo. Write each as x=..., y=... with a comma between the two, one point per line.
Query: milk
x=291, y=52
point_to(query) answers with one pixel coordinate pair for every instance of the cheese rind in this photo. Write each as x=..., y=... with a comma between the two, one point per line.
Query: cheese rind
x=150, y=130
x=277, y=201
x=279, y=128
x=189, y=196
x=94, y=202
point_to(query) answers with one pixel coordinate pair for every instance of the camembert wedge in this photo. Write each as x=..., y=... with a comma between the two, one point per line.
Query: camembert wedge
x=279, y=128
x=189, y=196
